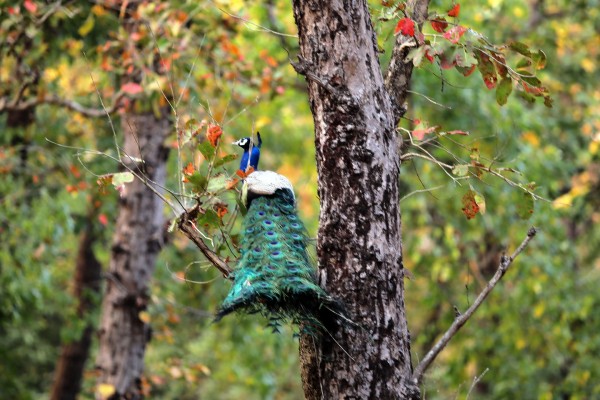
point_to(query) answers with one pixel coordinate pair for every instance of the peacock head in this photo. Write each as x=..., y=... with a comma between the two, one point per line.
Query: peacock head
x=244, y=143
x=267, y=183
x=247, y=142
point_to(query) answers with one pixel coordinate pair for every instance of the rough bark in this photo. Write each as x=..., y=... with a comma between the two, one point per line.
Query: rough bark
x=359, y=242
x=137, y=241
x=70, y=366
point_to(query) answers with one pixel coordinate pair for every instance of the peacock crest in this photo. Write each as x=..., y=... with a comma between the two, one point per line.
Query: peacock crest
x=274, y=275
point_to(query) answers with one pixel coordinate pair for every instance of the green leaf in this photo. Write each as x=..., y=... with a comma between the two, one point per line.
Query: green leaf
x=241, y=205
x=487, y=69
x=460, y=170
x=523, y=64
x=532, y=80
x=121, y=178
x=191, y=124
x=207, y=150
x=209, y=219
x=225, y=160
x=525, y=205
x=540, y=59
x=172, y=225
x=416, y=55
x=480, y=200
x=520, y=48
x=504, y=90
x=465, y=59
x=217, y=183
x=198, y=182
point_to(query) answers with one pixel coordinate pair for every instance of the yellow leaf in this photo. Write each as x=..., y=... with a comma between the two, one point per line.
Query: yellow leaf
x=144, y=316
x=105, y=390
x=518, y=11
x=531, y=138
x=538, y=310
x=87, y=26
x=563, y=201
x=262, y=122
x=588, y=65
x=99, y=10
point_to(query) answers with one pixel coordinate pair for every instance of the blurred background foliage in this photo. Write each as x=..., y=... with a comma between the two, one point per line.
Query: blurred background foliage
x=535, y=337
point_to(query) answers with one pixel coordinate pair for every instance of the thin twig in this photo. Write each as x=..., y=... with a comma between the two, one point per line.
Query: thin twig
x=475, y=382
x=430, y=99
x=462, y=319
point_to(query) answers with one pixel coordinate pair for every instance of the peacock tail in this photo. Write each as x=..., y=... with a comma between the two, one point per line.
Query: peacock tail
x=274, y=275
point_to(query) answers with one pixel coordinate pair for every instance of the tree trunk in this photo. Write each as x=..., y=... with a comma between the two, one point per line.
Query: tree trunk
x=70, y=367
x=138, y=238
x=359, y=242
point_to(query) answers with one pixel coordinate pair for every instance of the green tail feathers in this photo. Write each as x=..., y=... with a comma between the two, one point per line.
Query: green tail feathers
x=274, y=275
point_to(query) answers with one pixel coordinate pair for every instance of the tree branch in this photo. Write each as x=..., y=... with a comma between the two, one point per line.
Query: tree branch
x=397, y=80
x=462, y=319
x=187, y=226
x=6, y=104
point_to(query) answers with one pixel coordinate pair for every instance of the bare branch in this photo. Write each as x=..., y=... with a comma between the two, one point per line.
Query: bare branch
x=187, y=226
x=462, y=319
x=69, y=104
x=399, y=72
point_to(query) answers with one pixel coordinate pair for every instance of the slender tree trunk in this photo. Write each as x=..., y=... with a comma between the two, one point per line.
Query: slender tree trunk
x=359, y=242
x=138, y=238
x=70, y=367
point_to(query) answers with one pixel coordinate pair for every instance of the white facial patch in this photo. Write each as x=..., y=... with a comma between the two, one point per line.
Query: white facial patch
x=242, y=142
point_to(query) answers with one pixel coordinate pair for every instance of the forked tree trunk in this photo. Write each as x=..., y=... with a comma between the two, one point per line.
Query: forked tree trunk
x=70, y=366
x=359, y=243
x=137, y=241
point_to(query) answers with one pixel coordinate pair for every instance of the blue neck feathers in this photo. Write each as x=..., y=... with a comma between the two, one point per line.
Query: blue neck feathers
x=251, y=154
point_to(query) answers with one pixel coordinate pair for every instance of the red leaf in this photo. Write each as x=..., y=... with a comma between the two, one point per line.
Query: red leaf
x=221, y=210
x=103, y=219
x=428, y=56
x=454, y=34
x=454, y=11
x=490, y=81
x=188, y=169
x=447, y=62
x=419, y=134
x=132, y=88
x=457, y=132
x=243, y=174
x=536, y=91
x=30, y=6
x=213, y=134
x=231, y=184
x=470, y=206
x=439, y=25
x=470, y=70
x=406, y=26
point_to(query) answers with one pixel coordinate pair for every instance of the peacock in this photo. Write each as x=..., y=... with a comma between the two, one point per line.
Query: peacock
x=251, y=154
x=274, y=275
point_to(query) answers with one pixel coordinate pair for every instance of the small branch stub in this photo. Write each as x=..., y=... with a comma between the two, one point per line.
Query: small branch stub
x=187, y=226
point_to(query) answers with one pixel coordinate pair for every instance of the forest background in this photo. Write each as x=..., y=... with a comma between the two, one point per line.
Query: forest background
x=535, y=337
